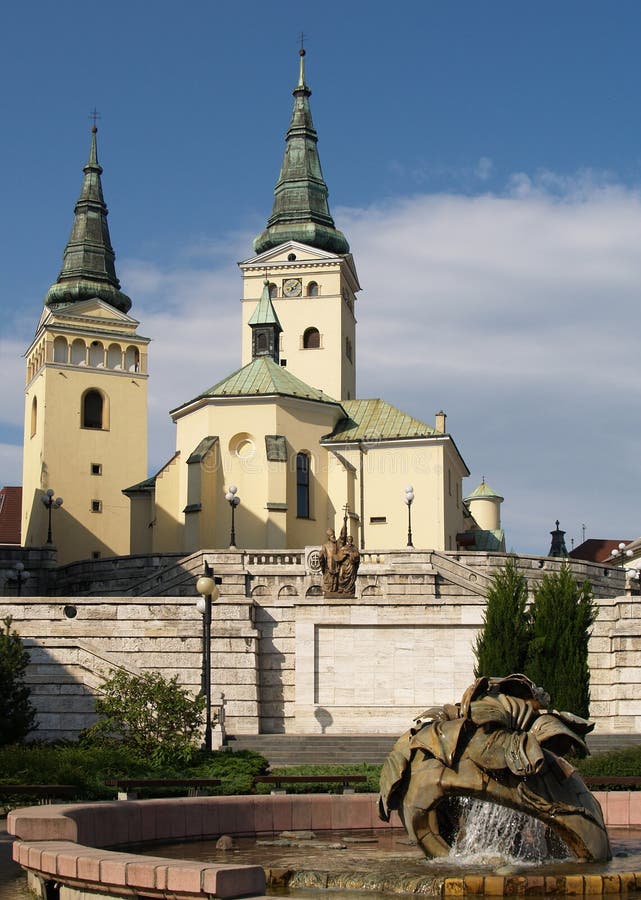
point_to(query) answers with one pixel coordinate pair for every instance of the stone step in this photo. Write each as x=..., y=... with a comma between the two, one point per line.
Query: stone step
x=316, y=749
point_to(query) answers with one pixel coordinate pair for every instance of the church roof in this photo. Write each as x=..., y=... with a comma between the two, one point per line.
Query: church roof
x=265, y=314
x=483, y=492
x=301, y=211
x=373, y=420
x=88, y=266
x=263, y=377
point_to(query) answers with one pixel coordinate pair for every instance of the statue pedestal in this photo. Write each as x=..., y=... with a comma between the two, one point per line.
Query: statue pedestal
x=338, y=595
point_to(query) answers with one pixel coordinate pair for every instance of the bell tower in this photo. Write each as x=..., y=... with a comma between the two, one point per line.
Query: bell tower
x=85, y=435
x=309, y=270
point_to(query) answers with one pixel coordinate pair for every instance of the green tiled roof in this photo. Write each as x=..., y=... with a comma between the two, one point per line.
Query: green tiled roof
x=262, y=377
x=265, y=314
x=489, y=541
x=376, y=420
x=483, y=491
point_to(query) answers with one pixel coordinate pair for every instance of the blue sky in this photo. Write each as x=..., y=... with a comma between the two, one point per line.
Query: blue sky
x=492, y=150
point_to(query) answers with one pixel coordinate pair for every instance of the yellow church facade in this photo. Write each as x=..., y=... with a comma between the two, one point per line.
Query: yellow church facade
x=286, y=432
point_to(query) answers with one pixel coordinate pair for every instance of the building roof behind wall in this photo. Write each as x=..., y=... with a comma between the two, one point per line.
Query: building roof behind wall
x=10, y=509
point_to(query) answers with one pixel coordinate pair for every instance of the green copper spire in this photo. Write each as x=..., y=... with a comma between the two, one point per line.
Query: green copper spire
x=88, y=268
x=301, y=212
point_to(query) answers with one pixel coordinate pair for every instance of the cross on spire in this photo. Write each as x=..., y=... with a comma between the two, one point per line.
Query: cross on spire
x=94, y=115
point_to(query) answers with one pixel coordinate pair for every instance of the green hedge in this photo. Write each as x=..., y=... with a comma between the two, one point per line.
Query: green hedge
x=614, y=763
x=87, y=768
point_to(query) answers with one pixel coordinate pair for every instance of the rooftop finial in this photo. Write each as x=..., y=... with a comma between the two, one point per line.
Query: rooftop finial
x=94, y=115
x=301, y=53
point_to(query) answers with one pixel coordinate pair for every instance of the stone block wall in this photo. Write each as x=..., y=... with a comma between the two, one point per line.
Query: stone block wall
x=288, y=660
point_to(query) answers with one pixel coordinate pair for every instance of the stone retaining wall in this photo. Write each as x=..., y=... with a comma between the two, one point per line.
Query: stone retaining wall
x=289, y=661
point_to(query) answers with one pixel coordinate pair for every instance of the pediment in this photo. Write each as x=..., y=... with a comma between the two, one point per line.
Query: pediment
x=94, y=310
x=279, y=255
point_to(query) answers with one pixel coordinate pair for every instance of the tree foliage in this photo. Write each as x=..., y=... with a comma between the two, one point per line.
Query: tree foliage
x=562, y=613
x=501, y=647
x=17, y=715
x=151, y=715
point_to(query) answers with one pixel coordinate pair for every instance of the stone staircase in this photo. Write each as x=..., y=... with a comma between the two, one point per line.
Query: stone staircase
x=350, y=749
x=316, y=749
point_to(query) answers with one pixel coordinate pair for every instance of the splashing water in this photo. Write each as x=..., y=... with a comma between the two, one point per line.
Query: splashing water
x=495, y=834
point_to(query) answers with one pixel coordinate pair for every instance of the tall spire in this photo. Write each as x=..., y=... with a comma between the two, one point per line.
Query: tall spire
x=300, y=211
x=88, y=268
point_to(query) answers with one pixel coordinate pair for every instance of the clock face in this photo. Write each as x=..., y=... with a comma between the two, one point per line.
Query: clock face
x=292, y=287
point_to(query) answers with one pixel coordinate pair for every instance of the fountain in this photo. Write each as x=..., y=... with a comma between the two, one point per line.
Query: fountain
x=482, y=788
x=500, y=744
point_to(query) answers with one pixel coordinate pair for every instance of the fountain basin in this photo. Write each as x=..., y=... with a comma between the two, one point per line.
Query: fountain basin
x=77, y=845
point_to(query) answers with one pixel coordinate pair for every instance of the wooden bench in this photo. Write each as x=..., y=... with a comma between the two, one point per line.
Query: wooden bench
x=631, y=782
x=279, y=780
x=127, y=786
x=45, y=793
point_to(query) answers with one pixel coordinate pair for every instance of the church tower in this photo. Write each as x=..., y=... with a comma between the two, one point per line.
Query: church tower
x=305, y=259
x=85, y=434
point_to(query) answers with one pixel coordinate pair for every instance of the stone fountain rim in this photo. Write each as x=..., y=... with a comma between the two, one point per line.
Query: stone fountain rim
x=64, y=842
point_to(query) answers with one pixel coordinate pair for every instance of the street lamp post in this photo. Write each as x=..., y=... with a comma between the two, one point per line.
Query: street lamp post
x=208, y=590
x=621, y=554
x=409, y=499
x=233, y=499
x=50, y=504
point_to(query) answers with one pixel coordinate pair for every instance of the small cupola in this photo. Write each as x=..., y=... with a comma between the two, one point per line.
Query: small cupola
x=266, y=328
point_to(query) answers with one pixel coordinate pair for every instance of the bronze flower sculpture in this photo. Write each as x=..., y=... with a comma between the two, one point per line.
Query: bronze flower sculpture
x=500, y=744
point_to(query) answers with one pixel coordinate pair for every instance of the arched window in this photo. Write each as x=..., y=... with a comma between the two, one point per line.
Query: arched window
x=132, y=359
x=302, y=486
x=273, y=291
x=60, y=349
x=34, y=415
x=312, y=289
x=92, y=410
x=96, y=355
x=114, y=356
x=311, y=339
x=79, y=353
x=261, y=342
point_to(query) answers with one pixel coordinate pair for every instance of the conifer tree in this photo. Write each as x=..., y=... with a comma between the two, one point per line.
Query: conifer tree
x=501, y=647
x=563, y=613
x=17, y=715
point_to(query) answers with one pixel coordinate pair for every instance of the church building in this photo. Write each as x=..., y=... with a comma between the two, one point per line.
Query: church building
x=271, y=456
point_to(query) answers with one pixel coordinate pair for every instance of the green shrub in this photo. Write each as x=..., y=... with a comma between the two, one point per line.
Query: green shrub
x=372, y=772
x=88, y=767
x=501, y=647
x=563, y=613
x=614, y=763
x=153, y=716
x=17, y=715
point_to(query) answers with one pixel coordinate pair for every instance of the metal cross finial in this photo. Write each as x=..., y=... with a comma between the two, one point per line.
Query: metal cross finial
x=302, y=43
x=94, y=115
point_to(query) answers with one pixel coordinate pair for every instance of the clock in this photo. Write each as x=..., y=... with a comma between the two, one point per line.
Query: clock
x=292, y=287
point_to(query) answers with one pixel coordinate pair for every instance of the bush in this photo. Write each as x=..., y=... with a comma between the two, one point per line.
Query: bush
x=370, y=786
x=17, y=715
x=152, y=716
x=88, y=767
x=613, y=763
x=562, y=615
x=501, y=647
